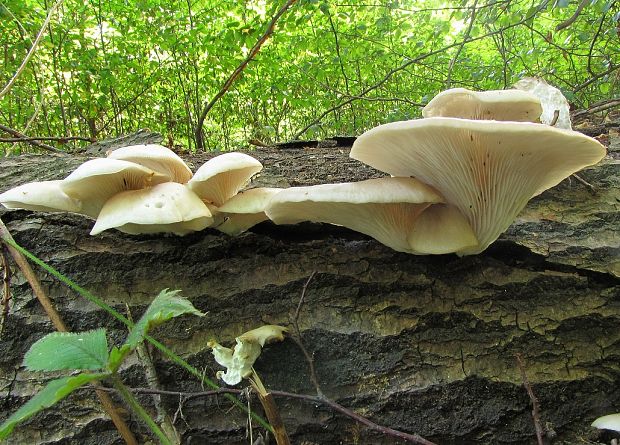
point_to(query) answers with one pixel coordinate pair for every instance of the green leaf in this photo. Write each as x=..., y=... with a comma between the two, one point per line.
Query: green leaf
x=68, y=350
x=53, y=392
x=164, y=307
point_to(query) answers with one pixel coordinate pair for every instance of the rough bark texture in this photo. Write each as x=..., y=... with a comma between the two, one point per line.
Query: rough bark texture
x=423, y=344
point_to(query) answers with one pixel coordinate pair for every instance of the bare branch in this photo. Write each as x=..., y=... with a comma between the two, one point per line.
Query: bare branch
x=31, y=51
x=32, y=141
x=464, y=41
x=534, y=400
x=565, y=24
x=255, y=49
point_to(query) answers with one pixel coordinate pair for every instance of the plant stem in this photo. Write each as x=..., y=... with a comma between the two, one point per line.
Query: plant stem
x=139, y=410
x=167, y=352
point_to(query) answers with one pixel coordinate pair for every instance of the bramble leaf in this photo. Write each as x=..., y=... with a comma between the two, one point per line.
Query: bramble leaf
x=55, y=391
x=68, y=350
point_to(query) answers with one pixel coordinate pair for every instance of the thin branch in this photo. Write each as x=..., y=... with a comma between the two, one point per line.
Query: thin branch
x=25, y=138
x=33, y=48
x=534, y=400
x=416, y=60
x=596, y=108
x=255, y=49
x=565, y=24
x=464, y=41
x=593, y=79
x=6, y=289
x=59, y=139
x=60, y=326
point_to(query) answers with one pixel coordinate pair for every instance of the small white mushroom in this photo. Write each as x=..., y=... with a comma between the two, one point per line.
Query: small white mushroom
x=487, y=169
x=157, y=158
x=239, y=361
x=609, y=422
x=97, y=180
x=44, y=196
x=385, y=208
x=220, y=178
x=245, y=209
x=169, y=207
x=501, y=105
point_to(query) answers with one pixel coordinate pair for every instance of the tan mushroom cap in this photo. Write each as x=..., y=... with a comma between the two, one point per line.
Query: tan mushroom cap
x=487, y=169
x=439, y=229
x=245, y=209
x=43, y=196
x=97, y=180
x=169, y=207
x=500, y=105
x=385, y=208
x=220, y=178
x=157, y=158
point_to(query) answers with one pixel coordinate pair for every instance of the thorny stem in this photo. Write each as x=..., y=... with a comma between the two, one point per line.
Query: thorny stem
x=535, y=406
x=139, y=410
x=18, y=254
x=99, y=302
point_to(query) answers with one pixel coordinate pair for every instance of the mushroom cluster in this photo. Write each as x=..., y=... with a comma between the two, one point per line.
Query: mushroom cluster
x=459, y=178
x=145, y=189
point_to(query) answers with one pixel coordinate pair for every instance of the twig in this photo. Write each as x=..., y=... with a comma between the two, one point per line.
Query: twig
x=59, y=139
x=6, y=280
x=297, y=339
x=305, y=397
x=271, y=410
x=463, y=42
x=592, y=189
x=410, y=62
x=25, y=138
x=31, y=51
x=255, y=49
x=59, y=324
x=566, y=23
x=598, y=107
x=534, y=400
x=593, y=79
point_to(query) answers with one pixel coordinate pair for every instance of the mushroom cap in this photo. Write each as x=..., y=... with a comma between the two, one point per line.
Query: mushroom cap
x=500, y=105
x=221, y=177
x=44, y=196
x=157, y=158
x=487, y=169
x=384, y=208
x=97, y=180
x=168, y=207
x=245, y=209
x=608, y=422
x=439, y=229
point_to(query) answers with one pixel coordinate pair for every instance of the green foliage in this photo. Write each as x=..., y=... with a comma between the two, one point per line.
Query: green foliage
x=113, y=67
x=53, y=392
x=165, y=306
x=67, y=350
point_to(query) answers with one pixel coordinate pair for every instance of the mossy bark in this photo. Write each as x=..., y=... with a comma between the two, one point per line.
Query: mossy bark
x=423, y=344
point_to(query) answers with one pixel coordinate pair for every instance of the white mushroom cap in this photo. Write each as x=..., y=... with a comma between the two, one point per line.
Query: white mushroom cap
x=609, y=422
x=487, y=169
x=157, y=158
x=245, y=209
x=97, y=180
x=222, y=177
x=44, y=196
x=500, y=105
x=384, y=208
x=168, y=207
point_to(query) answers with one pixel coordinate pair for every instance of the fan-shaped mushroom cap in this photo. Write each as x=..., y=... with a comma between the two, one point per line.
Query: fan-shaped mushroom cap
x=168, y=207
x=97, y=180
x=384, y=208
x=44, y=196
x=220, y=178
x=157, y=158
x=439, y=229
x=608, y=422
x=487, y=169
x=500, y=105
x=245, y=209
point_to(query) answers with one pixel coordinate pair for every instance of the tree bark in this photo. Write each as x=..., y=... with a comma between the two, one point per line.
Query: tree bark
x=421, y=344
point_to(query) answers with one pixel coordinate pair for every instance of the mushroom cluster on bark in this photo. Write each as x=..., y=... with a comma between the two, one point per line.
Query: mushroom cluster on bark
x=459, y=178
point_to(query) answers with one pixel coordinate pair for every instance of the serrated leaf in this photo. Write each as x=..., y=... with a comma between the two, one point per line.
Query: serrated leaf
x=53, y=392
x=68, y=350
x=165, y=306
